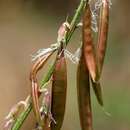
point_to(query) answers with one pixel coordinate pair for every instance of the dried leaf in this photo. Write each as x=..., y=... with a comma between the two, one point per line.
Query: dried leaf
x=89, y=50
x=103, y=33
x=83, y=89
x=59, y=87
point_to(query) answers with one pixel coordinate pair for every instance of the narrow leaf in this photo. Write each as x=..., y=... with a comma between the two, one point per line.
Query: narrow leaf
x=83, y=89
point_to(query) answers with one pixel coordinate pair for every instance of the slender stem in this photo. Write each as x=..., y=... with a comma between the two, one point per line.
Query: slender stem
x=20, y=120
x=75, y=20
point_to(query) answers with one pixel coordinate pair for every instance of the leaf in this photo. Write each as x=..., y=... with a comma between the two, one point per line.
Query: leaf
x=103, y=33
x=84, y=100
x=88, y=47
x=59, y=87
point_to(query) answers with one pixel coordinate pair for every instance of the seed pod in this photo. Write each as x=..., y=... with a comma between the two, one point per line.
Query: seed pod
x=89, y=52
x=88, y=46
x=103, y=32
x=98, y=91
x=35, y=88
x=38, y=65
x=59, y=87
x=83, y=89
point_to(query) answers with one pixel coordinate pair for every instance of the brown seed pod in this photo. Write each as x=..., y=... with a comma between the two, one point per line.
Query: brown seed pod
x=35, y=102
x=98, y=91
x=59, y=87
x=38, y=65
x=83, y=89
x=89, y=53
x=35, y=88
x=89, y=50
x=103, y=33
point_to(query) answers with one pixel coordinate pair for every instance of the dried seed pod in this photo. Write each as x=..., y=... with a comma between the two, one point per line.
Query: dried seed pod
x=98, y=91
x=89, y=53
x=38, y=65
x=35, y=88
x=89, y=50
x=83, y=89
x=103, y=32
x=35, y=102
x=59, y=87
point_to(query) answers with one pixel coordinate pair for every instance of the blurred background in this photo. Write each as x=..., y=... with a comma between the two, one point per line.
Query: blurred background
x=28, y=25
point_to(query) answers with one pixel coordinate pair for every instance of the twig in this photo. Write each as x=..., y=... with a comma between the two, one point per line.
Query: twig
x=20, y=120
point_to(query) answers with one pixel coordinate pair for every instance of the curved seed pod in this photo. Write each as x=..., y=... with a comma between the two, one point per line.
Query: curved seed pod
x=98, y=91
x=89, y=53
x=34, y=86
x=88, y=46
x=103, y=32
x=59, y=87
x=35, y=102
x=38, y=65
x=83, y=89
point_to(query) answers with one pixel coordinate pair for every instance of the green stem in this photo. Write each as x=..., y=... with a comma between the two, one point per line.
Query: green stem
x=20, y=120
x=75, y=20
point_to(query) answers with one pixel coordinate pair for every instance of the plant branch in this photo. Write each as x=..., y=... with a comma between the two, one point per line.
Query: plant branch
x=75, y=20
x=21, y=118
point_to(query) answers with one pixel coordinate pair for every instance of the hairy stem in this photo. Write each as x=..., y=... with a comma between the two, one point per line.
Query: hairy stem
x=20, y=120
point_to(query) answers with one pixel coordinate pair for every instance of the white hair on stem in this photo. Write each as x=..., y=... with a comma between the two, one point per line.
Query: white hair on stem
x=44, y=51
x=73, y=57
